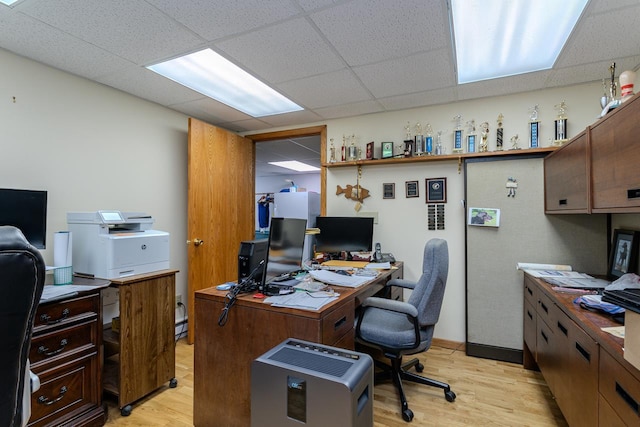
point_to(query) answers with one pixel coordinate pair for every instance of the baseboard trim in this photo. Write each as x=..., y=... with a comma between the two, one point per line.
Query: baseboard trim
x=496, y=353
x=452, y=345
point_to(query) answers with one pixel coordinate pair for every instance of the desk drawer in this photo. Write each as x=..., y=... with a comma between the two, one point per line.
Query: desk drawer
x=339, y=322
x=530, y=329
x=530, y=291
x=65, y=311
x=545, y=309
x=620, y=389
x=607, y=416
x=57, y=345
x=64, y=391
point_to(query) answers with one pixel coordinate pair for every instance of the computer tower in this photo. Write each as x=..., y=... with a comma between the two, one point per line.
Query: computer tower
x=302, y=383
x=250, y=254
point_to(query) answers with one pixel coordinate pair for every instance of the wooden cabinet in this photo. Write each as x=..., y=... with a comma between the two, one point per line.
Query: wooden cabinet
x=615, y=155
x=566, y=177
x=140, y=357
x=583, y=366
x=66, y=354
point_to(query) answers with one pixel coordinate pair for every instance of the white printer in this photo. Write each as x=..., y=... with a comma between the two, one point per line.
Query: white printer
x=112, y=244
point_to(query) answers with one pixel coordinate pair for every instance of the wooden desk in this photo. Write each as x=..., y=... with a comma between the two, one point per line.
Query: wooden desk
x=66, y=353
x=584, y=366
x=223, y=354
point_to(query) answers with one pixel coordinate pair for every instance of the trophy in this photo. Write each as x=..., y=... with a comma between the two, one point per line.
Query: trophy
x=419, y=140
x=428, y=141
x=332, y=153
x=352, y=150
x=457, y=134
x=627, y=80
x=471, y=136
x=343, y=149
x=408, y=141
x=514, y=142
x=499, y=133
x=439, y=148
x=560, y=124
x=484, y=135
x=534, y=128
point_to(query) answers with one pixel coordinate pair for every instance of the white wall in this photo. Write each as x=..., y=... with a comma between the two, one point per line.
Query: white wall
x=92, y=147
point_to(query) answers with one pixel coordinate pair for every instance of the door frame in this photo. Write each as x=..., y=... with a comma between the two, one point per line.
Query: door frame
x=296, y=133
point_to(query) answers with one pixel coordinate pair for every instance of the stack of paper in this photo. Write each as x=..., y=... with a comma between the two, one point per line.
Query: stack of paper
x=302, y=300
x=346, y=280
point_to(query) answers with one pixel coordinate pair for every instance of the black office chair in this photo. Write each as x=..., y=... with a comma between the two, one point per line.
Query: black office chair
x=22, y=273
x=398, y=328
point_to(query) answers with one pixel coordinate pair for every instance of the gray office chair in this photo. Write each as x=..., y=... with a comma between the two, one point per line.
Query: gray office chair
x=22, y=272
x=398, y=328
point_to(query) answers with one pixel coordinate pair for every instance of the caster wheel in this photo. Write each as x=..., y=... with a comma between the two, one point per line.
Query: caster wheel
x=407, y=415
x=450, y=396
x=419, y=367
x=126, y=411
x=173, y=383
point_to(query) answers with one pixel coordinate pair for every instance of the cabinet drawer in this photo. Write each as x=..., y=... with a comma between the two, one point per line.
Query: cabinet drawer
x=339, y=322
x=607, y=416
x=545, y=309
x=65, y=311
x=65, y=391
x=530, y=291
x=530, y=327
x=620, y=389
x=57, y=345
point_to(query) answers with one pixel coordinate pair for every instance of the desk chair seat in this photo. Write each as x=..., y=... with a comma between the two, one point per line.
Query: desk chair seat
x=399, y=328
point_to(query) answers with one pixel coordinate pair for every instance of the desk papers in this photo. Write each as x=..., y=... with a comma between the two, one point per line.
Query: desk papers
x=346, y=280
x=303, y=300
x=56, y=292
x=562, y=275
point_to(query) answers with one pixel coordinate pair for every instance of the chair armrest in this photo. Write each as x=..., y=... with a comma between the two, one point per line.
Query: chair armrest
x=392, y=305
x=401, y=283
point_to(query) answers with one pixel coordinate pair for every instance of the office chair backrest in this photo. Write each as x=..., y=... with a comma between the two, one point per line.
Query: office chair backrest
x=429, y=291
x=22, y=273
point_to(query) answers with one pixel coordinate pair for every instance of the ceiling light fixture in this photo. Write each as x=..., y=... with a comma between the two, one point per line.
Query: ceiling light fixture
x=9, y=2
x=497, y=38
x=295, y=165
x=214, y=76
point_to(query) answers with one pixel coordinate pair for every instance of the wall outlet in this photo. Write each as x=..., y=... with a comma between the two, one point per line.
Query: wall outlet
x=178, y=301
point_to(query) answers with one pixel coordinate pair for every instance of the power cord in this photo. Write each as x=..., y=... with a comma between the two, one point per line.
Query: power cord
x=184, y=320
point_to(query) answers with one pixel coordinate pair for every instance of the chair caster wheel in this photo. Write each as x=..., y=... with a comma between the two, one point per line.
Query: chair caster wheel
x=450, y=396
x=173, y=383
x=126, y=411
x=407, y=415
x=419, y=367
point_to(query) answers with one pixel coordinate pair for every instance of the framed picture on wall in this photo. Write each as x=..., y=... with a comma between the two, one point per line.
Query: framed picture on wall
x=388, y=190
x=436, y=190
x=411, y=189
x=386, y=150
x=624, y=253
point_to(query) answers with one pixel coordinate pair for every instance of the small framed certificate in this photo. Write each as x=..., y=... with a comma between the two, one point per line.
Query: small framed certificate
x=386, y=150
x=436, y=190
x=411, y=189
x=388, y=190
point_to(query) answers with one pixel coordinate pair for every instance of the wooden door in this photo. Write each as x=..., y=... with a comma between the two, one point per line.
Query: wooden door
x=221, y=207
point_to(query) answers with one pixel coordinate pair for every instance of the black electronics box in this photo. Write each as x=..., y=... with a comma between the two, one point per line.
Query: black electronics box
x=251, y=253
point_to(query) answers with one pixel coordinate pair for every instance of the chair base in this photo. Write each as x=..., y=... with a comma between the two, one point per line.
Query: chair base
x=397, y=372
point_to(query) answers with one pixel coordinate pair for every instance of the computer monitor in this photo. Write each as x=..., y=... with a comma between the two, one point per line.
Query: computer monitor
x=26, y=210
x=286, y=243
x=338, y=234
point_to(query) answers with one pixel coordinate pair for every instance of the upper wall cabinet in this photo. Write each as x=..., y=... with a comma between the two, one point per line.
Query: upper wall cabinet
x=615, y=159
x=566, y=177
x=598, y=171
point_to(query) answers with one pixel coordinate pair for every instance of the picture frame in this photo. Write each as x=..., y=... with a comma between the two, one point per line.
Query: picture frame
x=369, y=151
x=436, y=190
x=624, y=253
x=389, y=190
x=411, y=189
x=484, y=217
x=386, y=150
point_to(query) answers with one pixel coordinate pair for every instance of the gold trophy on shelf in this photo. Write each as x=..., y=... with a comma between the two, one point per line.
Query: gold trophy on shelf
x=499, y=133
x=457, y=134
x=534, y=128
x=484, y=135
x=560, y=124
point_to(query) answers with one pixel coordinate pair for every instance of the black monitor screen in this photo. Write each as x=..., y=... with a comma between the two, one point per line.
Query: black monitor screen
x=26, y=210
x=350, y=234
x=286, y=243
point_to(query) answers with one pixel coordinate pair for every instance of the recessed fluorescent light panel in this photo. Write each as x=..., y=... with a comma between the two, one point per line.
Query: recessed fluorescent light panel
x=8, y=2
x=296, y=166
x=498, y=38
x=214, y=76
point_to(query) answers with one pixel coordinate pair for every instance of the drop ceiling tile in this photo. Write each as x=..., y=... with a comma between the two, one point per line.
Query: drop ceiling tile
x=593, y=42
x=295, y=118
x=33, y=39
x=338, y=87
x=417, y=73
x=310, y=5
x=214, y=19
x=207, y=107
x=350, y=110
x=503, y=86
x=249, y=125
x=134, y=30
x=598, y=6
x=595, y=71
x=368, y=31
x=432, y=97
x=146, y=84
x=295, y=43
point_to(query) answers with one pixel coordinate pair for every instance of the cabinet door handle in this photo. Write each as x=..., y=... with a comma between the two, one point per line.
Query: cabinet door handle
x=583, y=352
x=627, y=398
x=563, y=329
x=529, y=291
x=544, y=337
x=562, y=202
x=44, y=350
x=46, y=401
x=633, y=193
x=544, y=307
x=530, y=315
x=46, y=318
x=340, y=322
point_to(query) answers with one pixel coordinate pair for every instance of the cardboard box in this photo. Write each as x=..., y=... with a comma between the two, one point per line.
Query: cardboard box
x=632, y=337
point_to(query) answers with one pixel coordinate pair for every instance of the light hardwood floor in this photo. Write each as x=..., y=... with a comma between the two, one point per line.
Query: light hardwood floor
x=489, y=393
